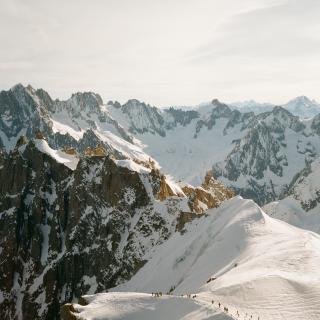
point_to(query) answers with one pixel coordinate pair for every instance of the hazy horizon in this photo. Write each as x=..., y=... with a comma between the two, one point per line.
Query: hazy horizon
x=105, y=100
x=168, y=53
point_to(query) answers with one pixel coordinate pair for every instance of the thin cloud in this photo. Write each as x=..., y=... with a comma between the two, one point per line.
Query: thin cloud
x=166, y=52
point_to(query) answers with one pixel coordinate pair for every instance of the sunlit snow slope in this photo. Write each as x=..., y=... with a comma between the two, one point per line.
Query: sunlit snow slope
x=142, y=306
x=263, y=267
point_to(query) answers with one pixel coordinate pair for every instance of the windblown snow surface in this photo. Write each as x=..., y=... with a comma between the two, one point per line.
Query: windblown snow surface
x=259, y=266
x=143, y=306
x=70, y=161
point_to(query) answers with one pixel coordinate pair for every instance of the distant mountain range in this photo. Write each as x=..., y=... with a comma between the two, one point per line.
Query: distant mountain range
x=257, y=155
x=301, y=106
x=93, y=194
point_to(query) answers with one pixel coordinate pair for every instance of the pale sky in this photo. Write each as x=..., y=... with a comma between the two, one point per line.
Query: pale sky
x=164, y=52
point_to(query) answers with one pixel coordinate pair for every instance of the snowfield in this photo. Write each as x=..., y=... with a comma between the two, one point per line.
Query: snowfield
x=142, y=306
x=127, y=149
x=258, y=266
x=187, y=158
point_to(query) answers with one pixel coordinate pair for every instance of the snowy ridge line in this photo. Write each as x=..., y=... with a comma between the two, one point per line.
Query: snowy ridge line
x=71, y=161
x=142, y=306
x=84, y=311
x=269, y=284
x=224, y=307
x=235, y=317
x=208, y=305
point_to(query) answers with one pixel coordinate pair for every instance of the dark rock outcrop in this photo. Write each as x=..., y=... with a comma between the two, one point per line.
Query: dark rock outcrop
x=65, y=233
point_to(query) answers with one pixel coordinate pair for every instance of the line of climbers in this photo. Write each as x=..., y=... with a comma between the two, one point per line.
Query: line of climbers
x=225, y=309
x=156, y=294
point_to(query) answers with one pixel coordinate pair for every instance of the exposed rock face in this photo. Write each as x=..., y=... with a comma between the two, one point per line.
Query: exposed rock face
x=304, y=187
x=26, y=111
x=209, y=195
x=99, y=151
x=181, y=117
x=299, y=204
x=315, y=125
x=303, y=107
x=39, y=134
x=21, y=141
x=255, y=155
x=67, y=312
x=66, y=233
x=258, y=166
x=164, y=190
x=70, y=151
x=221, y=111
x=134, y=109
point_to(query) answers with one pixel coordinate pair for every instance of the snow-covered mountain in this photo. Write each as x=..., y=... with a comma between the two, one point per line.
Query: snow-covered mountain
x=300, y=204
x=141, y=306
x=78, y=122
x=186, y=143
x=89, y=201
x=255, y=266
x=300, y=106
x=73, y=223
x=257, y=155
x=303, y=107
x=276, y=146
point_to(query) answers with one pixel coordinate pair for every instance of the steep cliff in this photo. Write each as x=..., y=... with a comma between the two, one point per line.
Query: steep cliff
x=72, y=224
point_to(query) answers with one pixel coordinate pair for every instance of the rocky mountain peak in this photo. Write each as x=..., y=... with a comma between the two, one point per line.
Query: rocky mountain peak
x=17, y=87
x=114, y=104
x=30, y=99
x=87, y=100
x=209, y=195
x=123, y=208
x=45, y=98
x=143, y=118
x=20, y=91
x=208, y=180
x=303, y=107
x=134, y=102
x=301, y=100
x=218, y=103
x=215, y=102
x=220, y=109
x=134, y=106
x=279, y=111
x=280, y=118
